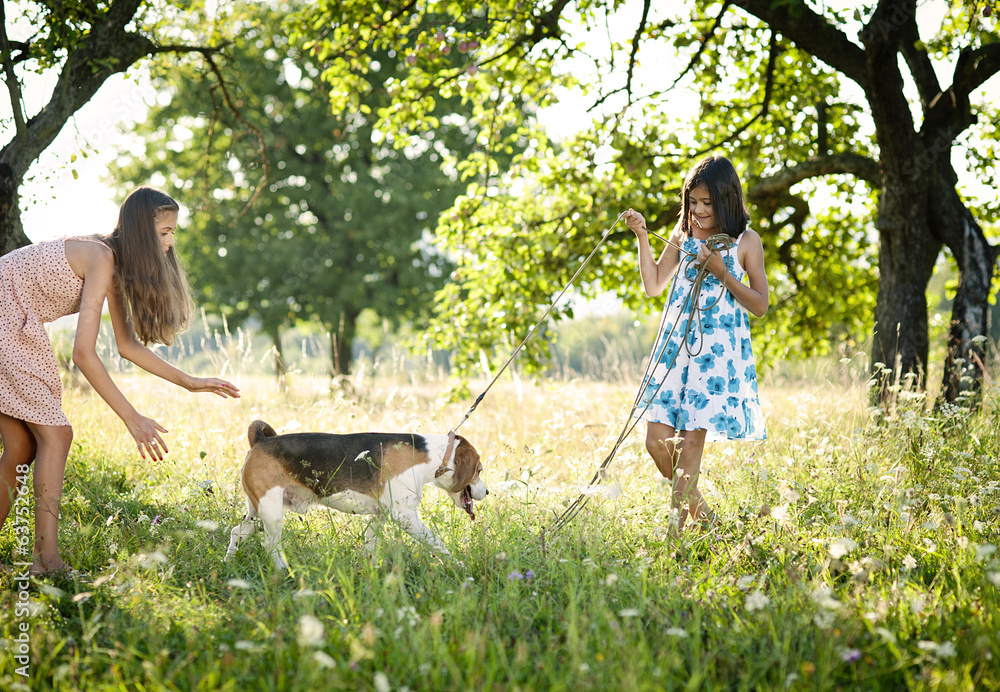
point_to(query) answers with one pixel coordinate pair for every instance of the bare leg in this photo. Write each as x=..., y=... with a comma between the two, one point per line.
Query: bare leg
x=679, y=460
x=18, y=451
x=50, y=470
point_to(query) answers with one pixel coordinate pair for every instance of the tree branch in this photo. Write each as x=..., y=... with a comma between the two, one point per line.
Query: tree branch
x=949, y=112
x=635, y=47
x=918, y=62
x=813, y=34
x=778, y=184
x=13, y=86
x=772, y=58
x=704, y=44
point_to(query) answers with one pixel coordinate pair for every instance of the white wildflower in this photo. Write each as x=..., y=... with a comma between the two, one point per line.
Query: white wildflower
x=909, y=562
x=984, y=551
x=823, y=596
x=994, y=578
x=745, y=582
x=841, y=547
x=207, y=524
x=788, y=495
x=945, y=650
x=628, y=612
x=886, y=634
x=238, y=584
x=324, y=659
x=917, y=604
x=756, y=600
x=244, y=645
x=381, y=682
x=611, y=579
x=310, y=631
x=676, y=632
x=824, y=619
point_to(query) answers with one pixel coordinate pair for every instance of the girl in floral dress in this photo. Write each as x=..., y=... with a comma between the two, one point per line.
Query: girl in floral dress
x=702, y=383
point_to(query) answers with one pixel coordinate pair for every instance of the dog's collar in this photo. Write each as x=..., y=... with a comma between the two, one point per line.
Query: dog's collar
x=449, y=452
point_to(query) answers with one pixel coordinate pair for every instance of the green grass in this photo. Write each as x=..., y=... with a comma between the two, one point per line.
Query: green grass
x=853, y=553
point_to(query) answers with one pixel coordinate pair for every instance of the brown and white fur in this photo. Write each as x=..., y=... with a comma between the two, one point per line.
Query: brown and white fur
x=358, y=473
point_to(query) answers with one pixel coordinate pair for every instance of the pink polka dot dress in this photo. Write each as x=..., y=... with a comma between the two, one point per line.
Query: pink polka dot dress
x=37, y=285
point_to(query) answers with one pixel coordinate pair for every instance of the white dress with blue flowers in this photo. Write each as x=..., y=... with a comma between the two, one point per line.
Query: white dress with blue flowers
x=710, y=381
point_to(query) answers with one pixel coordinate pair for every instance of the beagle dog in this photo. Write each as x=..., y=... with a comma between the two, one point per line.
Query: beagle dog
x=359, y=473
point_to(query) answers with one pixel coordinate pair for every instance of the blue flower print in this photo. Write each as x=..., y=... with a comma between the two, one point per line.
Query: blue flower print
x=681, y=420
x=705, y=362
x=715, y=385
x=684, y=375
x=669, y=353
x=698, y=400
x=727, y=323
x=718, y=422
x=750, y=374
x=667, y=399
x=733, y=428
x=746, y=349
x=730, y=369
x=734, y=385
x=717, y=349
x=733, y=402
x=708, y=325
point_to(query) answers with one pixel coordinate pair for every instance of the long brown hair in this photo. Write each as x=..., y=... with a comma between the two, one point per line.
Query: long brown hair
x=151, y=283
x=724, y=187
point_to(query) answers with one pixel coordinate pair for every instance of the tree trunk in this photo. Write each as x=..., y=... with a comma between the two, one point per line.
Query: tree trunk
x=341, y=340
x=976, y=258
x=907, y=253
x=11, y=233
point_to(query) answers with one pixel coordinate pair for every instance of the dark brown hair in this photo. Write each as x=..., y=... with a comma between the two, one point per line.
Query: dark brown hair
x=151, y=283
x=724, y=187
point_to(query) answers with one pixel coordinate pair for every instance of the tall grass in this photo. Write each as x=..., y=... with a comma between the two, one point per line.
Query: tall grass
x=854, y=551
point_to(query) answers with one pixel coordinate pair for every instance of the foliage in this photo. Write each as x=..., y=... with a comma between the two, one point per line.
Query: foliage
x=343, y=221
x=518, y=233
x=852, y=553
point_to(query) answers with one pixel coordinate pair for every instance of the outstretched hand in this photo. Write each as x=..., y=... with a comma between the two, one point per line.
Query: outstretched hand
x=146, y=432
x=214, y=385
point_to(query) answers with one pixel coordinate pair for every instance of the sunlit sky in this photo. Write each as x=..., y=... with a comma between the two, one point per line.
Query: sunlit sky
x=56, y=202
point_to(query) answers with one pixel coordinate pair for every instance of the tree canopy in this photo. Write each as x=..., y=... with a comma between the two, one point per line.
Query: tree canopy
x=845, y=159
x=344, y=220
x=83, y=42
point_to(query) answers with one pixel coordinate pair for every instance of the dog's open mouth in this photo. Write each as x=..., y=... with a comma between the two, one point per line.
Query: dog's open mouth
x=466, y=498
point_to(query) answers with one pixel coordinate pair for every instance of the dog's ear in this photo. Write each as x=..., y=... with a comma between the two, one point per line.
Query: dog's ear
x=466, y=465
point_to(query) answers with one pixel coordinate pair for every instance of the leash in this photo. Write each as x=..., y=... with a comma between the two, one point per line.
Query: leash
x=534, y=328
x=718, y=242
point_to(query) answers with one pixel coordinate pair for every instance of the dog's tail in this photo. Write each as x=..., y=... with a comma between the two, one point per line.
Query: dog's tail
x=258, y=430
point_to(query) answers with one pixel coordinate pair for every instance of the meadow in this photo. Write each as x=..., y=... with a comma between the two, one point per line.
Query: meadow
x=856, y=549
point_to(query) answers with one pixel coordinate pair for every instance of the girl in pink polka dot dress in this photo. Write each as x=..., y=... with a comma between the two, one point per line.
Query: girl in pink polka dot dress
x=135, y=269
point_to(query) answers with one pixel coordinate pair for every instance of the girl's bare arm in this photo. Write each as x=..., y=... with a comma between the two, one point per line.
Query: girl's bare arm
x=755, y=297
x=98, y=270
x=134, y=351
x=655, y=274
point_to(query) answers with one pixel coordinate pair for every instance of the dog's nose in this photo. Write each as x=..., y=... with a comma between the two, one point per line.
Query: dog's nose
x=487, y=491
